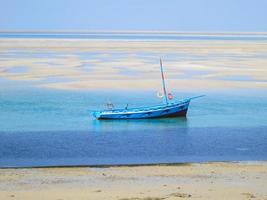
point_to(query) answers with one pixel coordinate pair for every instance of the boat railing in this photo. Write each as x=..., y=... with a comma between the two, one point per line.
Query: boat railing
x=148, y=108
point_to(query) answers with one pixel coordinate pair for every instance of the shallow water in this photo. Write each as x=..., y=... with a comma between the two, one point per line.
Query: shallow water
x=51, y=127
x=34, y=109
x=172, y=144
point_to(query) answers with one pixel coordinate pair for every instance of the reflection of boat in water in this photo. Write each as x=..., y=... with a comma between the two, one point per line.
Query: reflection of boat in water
x=134, y=126
x=168, y=109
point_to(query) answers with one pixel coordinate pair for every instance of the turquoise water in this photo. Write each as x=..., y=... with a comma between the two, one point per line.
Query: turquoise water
x=33, y=109
x=54, y=127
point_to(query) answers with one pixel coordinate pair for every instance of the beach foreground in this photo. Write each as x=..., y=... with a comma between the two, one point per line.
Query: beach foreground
x=242, y=180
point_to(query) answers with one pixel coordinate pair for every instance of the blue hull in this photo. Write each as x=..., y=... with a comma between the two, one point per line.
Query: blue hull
x=178, y=109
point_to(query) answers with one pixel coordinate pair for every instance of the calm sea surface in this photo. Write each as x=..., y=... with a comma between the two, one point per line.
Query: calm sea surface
x=49, y=127
x=134, y=36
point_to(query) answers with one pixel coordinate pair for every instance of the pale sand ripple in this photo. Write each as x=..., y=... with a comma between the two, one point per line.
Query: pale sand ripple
x=92, y=64
x=245, y=180
x=156, y=84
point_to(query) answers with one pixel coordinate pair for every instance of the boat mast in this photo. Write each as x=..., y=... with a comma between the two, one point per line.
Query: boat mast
x=163, y=82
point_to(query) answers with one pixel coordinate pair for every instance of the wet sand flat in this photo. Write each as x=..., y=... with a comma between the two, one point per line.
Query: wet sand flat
x=95, y=64
x=240, y=180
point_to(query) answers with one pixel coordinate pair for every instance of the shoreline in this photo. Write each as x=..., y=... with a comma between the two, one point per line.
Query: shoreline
x=217, y=180
x=137, y=165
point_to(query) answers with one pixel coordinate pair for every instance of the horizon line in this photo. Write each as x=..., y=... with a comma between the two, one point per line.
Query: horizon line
x=136, y=32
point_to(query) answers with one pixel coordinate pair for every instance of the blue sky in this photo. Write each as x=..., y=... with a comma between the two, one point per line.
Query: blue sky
x=155, y=15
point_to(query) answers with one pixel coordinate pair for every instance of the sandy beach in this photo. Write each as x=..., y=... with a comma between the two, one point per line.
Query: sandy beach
x=241, y=180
